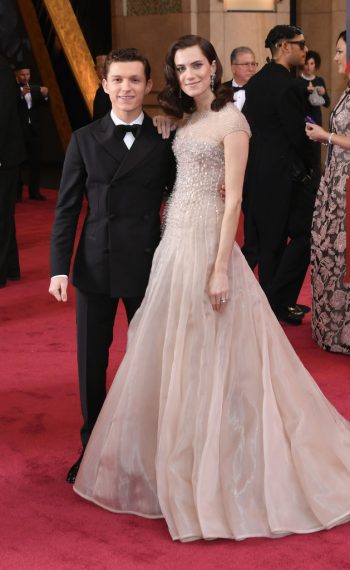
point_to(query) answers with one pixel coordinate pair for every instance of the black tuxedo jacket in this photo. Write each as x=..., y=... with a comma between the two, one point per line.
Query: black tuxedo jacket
x=274, y=109
x=124, y=190
x=229, y=84
x=12, y=151
x=30, y=118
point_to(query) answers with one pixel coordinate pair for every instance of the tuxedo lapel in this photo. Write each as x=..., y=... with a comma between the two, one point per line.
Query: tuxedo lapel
x=144, y=143
x=106, y=136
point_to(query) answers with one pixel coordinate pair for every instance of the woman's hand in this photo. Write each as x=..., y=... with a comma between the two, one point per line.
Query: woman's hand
x=316, y=133
x=165, y=125
x=320, y=90
x=218, y=290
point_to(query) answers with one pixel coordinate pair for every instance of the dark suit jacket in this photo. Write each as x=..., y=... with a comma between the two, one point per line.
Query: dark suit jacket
x=30, y=118
x=124, y=190
x=274, y=109
x=102, y=104
x=12, y=151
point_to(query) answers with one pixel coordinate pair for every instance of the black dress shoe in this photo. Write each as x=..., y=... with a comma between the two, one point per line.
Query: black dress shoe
x=289, y=318
x=304, y=308
x=73, y=472
x=296, y=312
x=38, y=196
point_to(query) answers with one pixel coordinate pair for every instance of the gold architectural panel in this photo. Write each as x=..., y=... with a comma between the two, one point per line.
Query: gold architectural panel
x=46, y=71
x=75, y=48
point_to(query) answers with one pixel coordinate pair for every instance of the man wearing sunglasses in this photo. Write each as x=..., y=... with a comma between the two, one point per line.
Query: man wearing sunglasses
x=277, y=203
x=243, y=66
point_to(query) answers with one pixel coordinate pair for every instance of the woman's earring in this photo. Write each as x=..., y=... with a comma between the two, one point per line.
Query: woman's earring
x=212, y=81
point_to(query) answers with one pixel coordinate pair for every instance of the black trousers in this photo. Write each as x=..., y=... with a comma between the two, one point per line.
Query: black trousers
x=33, y=149
x=9, y=262
x=285, y=256
x=95, y=316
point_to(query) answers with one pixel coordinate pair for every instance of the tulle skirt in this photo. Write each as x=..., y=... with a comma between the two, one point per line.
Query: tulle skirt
x=212, y=421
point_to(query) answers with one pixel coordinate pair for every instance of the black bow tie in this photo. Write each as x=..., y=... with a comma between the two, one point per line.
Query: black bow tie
x=123, y=129
x=237, y=88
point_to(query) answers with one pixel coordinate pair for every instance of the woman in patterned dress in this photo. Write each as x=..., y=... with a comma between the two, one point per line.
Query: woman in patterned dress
x=330, y=287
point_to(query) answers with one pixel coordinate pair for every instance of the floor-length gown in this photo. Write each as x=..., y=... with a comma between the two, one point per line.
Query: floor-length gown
x=212, y=421
x=330, y=295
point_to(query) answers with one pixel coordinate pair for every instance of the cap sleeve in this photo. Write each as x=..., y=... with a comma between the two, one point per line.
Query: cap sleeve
x=232, y=121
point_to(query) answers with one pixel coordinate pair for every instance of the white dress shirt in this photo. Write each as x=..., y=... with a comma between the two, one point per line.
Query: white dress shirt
x=129, y=137
x=238, y=96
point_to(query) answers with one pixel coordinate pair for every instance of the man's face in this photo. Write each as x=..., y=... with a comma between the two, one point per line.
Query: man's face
x=243, y=68
x=297, y=51
x=127, y=86
x=23, y=76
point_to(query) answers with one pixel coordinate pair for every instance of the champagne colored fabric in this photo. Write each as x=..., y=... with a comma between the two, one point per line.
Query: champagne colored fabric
x=212, y=421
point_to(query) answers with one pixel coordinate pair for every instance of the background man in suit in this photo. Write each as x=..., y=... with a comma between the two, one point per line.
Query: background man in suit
x=12, y=154
x=31, y=98
x=243, y=66
x=277, y=203
x=122, y=166
x=102, y=102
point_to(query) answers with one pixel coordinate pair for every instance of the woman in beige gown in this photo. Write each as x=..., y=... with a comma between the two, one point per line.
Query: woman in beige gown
x=212, y=421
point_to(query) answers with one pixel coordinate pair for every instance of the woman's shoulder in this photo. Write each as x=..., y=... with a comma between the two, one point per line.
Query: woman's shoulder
x=232, y=120
x=319, y=80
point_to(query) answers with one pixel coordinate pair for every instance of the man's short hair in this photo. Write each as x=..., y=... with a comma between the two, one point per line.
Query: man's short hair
x=125, y=55
x=238, y=50
x=280, y=33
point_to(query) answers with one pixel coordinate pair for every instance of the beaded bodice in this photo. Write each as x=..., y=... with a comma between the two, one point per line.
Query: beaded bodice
x=199, y=151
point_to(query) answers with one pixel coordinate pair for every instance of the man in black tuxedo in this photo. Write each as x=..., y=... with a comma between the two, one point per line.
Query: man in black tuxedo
x=122, y=166
x=12, y=154
x=32, y=97
x=277, y=201
x=243, y=67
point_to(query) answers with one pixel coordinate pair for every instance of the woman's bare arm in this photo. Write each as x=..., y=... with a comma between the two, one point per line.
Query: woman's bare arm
x=236, y=153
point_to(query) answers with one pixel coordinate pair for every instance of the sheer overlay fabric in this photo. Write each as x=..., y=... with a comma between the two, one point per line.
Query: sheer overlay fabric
x=212, y=421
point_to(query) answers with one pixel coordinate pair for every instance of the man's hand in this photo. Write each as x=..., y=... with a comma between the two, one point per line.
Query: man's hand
x=44, y=91
x=58, y=288
x=165, y=125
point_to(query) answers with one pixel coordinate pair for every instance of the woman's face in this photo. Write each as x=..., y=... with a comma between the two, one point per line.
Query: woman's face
x=193, y=71
x=310, y=67
x=340, y=56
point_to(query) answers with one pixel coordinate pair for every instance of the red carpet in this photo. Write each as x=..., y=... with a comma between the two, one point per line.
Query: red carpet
x=43, y=524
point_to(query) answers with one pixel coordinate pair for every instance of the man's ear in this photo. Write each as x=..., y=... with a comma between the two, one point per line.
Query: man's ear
x=286, y=47
x=104, y=85
x=149, y=86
